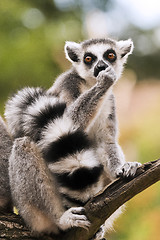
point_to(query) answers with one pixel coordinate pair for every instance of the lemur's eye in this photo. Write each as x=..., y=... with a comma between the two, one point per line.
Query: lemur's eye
x=88, y=59
x=111, y=56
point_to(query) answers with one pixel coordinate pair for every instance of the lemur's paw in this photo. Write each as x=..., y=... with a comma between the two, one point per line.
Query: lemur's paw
x=74, y=217
x=128, y=169
x=108, y=75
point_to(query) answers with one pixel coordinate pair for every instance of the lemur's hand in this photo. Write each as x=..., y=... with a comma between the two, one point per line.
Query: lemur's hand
x=128, y=169
x=107, y=76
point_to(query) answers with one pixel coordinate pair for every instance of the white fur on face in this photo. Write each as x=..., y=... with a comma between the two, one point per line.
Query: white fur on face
x=98, y=50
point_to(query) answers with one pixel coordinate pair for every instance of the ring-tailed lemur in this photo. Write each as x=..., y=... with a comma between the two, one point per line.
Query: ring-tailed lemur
x=74, y=126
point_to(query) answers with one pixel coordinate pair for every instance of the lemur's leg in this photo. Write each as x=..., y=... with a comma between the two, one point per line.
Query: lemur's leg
x=85, y=108
x=35, y=194
x=5, y=150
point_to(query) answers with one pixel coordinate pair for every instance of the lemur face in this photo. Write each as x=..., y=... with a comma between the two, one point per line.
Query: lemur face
x=92, y=56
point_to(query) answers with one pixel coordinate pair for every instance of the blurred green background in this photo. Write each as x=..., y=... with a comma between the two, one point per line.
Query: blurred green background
x=32, y=37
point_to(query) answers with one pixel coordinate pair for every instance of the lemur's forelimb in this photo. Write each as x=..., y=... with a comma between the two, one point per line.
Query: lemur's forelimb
x=86, y=106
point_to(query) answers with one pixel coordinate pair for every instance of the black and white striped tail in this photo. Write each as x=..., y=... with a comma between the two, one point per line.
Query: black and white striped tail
x=67, y=150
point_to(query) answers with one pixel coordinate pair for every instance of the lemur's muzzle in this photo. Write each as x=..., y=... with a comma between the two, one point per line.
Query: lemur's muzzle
x=99, y=67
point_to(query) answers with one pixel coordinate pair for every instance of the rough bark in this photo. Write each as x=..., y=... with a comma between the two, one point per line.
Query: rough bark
x=98, y=209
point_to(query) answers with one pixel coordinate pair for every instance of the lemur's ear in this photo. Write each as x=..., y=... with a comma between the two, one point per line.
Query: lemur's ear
x=126, y=47
x=72, y=50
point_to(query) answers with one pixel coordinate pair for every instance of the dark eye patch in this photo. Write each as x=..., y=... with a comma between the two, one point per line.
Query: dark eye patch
x=110, y=55
x=88, y=56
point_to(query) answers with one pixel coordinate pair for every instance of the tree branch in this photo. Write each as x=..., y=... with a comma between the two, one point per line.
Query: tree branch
x=98, y=209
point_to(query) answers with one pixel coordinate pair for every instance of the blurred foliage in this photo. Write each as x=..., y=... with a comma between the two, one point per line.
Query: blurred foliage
x=146, y=66
x=31, y=43
x=32, y=36
x=146, y=56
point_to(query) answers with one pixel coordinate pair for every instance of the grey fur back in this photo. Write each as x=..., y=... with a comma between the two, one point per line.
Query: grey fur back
x=5, y=150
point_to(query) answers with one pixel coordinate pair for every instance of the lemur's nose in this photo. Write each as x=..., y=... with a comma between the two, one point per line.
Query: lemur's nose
x=99, y=67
